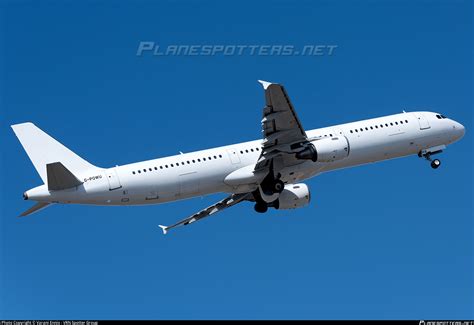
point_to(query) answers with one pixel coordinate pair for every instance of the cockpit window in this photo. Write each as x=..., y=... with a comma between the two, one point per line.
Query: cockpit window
x=442, y=116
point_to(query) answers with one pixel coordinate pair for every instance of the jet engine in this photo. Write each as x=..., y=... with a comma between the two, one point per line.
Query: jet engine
x=326, y=149
x=293, y=196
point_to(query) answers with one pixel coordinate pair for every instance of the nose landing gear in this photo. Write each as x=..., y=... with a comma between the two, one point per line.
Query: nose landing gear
x=435, y=163
x=427, y=155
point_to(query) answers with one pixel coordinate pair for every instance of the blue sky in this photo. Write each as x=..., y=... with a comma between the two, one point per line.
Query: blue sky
x=387, y=240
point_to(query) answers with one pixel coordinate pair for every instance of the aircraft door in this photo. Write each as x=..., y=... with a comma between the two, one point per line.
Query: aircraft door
x=233, y=155
x=422, y=121
x=112, y=177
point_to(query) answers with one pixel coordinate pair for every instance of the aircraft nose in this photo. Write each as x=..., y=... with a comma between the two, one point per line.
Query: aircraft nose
x=459, y=129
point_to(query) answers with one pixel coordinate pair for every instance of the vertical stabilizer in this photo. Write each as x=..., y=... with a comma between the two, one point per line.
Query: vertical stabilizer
x=43, y=150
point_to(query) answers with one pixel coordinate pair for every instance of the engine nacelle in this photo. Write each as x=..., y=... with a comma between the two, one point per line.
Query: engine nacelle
x=326, y=149
x=293, y=196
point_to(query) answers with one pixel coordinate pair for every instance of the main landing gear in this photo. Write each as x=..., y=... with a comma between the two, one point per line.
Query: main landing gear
x=271, y=186
x=435, y=163
x=261, y=207
x=272, y=189
x=278, y=186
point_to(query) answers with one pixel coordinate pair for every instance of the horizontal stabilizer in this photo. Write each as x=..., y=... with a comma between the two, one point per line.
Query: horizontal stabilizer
x=60, y=178
x=35, y=208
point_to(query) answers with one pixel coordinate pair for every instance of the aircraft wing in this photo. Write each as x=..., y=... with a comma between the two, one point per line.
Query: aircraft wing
x=284, y=136
x=282, y=130
x=219, y=206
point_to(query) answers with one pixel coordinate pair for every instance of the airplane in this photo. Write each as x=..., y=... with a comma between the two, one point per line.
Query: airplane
x=268, y=172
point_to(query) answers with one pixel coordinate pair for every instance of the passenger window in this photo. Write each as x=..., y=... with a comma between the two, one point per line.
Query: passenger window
x=161, y=167
x=133, y=173
x=220, y=156
x=156, y=168
x=396, y=123
x=139, y=171
x=171, y=165
x=406, y=121
x=166, y=166
x=144, y=170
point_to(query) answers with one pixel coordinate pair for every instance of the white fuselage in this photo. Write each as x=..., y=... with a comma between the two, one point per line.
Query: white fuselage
x=204, y=172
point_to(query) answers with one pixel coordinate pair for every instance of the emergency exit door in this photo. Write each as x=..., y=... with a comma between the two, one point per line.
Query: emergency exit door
x=233, y=155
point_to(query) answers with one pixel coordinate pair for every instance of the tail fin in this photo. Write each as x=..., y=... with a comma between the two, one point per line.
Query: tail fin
x=43, y=150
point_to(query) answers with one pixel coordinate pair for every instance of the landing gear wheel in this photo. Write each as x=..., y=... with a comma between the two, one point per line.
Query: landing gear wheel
x=261, y=207
x=435, y=163
x=278, y=186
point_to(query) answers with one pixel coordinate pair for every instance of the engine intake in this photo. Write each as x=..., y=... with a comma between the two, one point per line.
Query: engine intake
x=325, y=150
x=293, y=196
